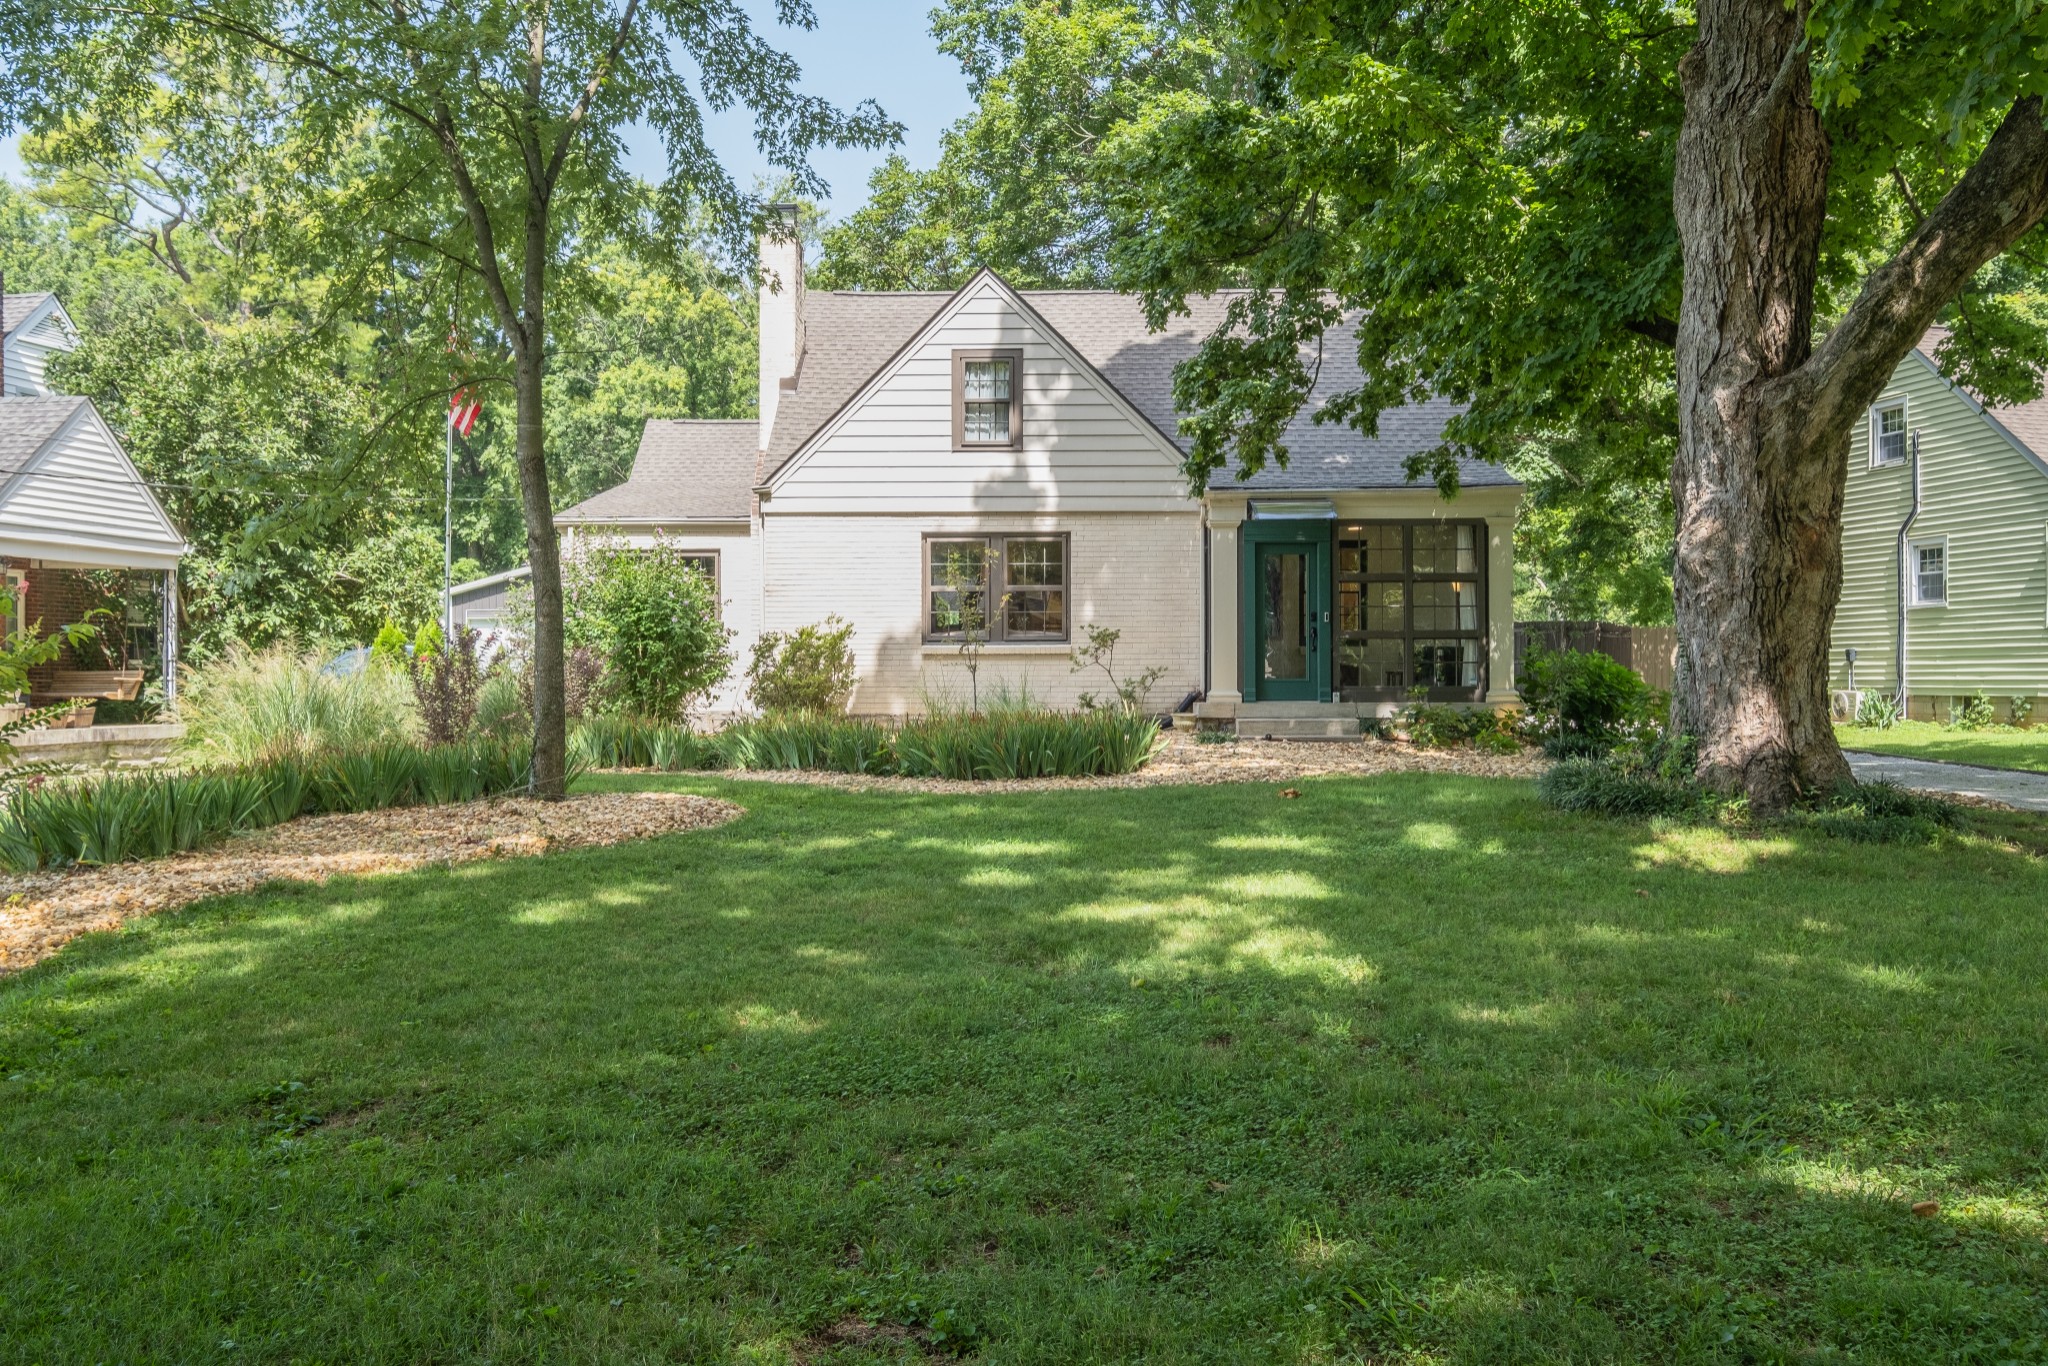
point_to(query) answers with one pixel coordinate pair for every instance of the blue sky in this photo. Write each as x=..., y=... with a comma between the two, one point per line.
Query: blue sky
x=861, y=49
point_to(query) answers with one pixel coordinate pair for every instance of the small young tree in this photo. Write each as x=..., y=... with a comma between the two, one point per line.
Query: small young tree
x=652, y=614
x=1127, y=692
x=809, y=669
x=445, y=684
x=963, y=605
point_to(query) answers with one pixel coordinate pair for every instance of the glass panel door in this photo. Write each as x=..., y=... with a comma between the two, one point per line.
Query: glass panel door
x=1290, y=612
x=1283, y=603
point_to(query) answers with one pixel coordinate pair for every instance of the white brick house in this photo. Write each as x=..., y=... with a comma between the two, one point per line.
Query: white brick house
x=1029, y=440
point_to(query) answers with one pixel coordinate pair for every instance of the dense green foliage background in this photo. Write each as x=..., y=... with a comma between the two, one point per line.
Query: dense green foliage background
x=301, y=450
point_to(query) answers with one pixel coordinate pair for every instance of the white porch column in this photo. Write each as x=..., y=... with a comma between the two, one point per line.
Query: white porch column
x=1225, y=631
x=1500, y=610
x=167, y=640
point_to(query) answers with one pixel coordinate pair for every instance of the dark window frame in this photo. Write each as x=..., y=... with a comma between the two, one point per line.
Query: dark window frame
x=1409, y=634
x=997, y=562
x=1015, y=356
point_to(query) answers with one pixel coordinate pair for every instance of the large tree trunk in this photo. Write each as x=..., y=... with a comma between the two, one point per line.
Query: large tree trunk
x=1758, y=485
x=543, y=555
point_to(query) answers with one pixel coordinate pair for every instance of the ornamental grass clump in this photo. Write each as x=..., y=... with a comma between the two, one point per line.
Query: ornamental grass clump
x=258, y=704
x=1015, y=745
x=629, y=741
x=802, y=740
x=118, y=817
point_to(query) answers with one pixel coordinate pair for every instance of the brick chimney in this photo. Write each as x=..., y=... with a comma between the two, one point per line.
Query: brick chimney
x=782, y=310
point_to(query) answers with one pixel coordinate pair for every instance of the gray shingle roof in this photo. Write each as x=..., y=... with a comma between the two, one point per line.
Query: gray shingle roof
x=848, y=336
x=26, y=426
x=851, y=335
x=1108, y=329
x=687, y=469
x=18, y=307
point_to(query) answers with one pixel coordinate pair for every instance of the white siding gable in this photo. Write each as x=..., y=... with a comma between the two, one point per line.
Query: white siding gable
x=31, y=344
x=891, y=451
x=81, y=501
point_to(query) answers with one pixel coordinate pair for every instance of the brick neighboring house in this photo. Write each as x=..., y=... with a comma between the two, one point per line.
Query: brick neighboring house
x=71, y=502
x=921, y=456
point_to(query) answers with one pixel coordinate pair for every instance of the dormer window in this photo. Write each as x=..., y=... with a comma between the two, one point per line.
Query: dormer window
x=986, y=410
x=1888, y=433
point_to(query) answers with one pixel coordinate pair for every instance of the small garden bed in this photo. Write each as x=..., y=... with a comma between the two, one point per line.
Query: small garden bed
x=1182, y=760
x=40, y=911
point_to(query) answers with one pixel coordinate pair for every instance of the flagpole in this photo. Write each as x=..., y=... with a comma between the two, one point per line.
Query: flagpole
x=448, y=536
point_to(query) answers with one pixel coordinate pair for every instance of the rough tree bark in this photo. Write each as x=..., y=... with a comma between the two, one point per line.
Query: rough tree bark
x=1764, y=415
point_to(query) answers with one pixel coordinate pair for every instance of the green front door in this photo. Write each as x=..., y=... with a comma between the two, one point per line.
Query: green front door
x=1290, y=611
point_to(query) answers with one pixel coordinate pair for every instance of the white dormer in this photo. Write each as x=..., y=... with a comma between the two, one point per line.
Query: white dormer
x=36, y=327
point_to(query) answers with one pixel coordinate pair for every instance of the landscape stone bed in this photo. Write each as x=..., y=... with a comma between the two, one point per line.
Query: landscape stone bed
x=40, y=912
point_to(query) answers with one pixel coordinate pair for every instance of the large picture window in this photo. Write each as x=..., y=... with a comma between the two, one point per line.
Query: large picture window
x=1008, y=587
x=987, y=406
x=1411, y=609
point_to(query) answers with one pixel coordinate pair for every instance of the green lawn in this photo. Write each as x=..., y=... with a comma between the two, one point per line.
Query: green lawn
x=1925, y=740
x=1407, y=1069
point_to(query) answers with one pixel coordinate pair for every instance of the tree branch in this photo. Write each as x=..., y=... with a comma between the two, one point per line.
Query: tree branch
x=1659, y=329
x=1997, y=202
x=590, y=88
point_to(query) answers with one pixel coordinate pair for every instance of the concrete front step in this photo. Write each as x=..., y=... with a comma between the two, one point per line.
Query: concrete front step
x=1297, y=727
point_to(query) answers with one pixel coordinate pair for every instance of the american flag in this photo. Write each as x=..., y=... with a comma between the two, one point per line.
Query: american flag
x=463, y=407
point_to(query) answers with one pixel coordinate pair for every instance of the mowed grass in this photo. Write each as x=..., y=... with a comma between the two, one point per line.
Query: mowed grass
x=2023, y=749
x=1405, y=1069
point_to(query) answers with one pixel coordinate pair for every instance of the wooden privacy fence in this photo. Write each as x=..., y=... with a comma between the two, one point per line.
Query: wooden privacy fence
x=1651, y=651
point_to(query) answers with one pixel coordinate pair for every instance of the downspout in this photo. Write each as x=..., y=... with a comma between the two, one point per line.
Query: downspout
x=1905, y=528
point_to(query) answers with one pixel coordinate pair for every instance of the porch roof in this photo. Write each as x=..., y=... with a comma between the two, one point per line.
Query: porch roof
x=69, y=495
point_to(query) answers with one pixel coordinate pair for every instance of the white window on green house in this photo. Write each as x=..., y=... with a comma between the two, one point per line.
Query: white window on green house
x=1888, y=433
x=1928, y=563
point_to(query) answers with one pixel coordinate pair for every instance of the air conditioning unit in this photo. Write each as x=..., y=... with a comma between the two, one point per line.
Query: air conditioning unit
x=1847, y=702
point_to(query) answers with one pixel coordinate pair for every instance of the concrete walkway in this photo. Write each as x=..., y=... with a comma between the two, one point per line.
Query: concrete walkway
x=2029, y=791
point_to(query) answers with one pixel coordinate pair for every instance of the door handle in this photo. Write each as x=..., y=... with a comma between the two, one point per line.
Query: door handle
x=1312, y=638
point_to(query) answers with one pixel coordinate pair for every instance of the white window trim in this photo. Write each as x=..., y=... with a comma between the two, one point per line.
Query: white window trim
x=1912, y=568
x=1906, y=421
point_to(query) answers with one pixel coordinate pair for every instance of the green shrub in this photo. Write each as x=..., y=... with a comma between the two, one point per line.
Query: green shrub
x=1015, y=745
x=1215, y=735
x=636, y=742
x=388, y=650
x=1602, y=787
x=808, y=669
x=806, y=740
x=1571, y=744
x=501, y=711
x=1629, y=786
x=1585, y=692
x=652, y=615
x=1005, y=745
x=2020, y=712
x=1877, y=711
x=1434, y=725
x=250, y=705
x=1972, y=713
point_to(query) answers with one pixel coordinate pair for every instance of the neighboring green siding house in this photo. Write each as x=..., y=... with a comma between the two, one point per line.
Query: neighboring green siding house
x=1970, y=571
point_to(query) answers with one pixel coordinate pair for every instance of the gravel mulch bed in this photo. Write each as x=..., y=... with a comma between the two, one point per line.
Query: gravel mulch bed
x=40, y=911
x=1186, y=762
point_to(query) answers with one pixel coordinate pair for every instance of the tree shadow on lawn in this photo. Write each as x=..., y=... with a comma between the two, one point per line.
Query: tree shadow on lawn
x=1403, y=1066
